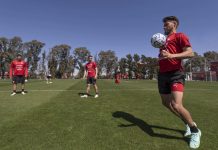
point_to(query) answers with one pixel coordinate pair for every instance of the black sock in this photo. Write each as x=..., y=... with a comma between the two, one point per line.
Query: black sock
x=194, y=129
x=22, y=90
x=14, y=91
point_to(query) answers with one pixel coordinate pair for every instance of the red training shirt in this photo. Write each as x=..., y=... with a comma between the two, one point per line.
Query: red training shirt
x=90, y=67
x=18, y=68
x=174, y=44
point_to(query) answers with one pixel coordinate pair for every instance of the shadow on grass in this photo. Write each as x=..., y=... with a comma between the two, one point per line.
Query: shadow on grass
x=144, y=126
x=83, y=93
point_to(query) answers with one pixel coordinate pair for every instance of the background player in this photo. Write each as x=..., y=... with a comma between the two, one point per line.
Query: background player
x=117, y=75
x=48, y=77
x=171, y=76
x=91, y=72
x=18, y=73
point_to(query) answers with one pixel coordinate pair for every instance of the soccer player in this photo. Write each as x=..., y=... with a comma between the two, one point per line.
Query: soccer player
x=3, y=68
x=171, y=76
x=91, y=72
x=18, y=73
x=117, y=75
x=48, y=78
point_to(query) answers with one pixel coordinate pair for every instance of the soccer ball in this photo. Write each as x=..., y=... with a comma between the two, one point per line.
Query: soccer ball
x=158, y=40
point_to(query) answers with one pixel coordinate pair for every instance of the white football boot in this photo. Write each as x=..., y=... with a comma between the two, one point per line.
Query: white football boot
x=84, y=96
x=195, y=140
x=14, y=93
x=96, y=96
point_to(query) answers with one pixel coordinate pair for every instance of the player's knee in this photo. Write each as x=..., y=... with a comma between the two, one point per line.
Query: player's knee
x=177, y=107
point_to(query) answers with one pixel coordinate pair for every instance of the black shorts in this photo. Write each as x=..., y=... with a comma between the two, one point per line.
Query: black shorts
x=167, y=79
x=91, y=80
x=49, y=77
x=18, y=79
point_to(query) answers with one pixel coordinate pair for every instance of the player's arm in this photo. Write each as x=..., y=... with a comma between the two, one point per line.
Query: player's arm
x=11, y=70
x=96, y=73
x=187, y=53
x=85, y=73
x=26, y=70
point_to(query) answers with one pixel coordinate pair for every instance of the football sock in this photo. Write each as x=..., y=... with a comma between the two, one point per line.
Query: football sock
x=14, y=91
x=194, y=129
x=22, y=90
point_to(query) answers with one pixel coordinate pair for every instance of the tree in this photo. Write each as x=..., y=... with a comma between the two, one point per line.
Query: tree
x=129, y=64
x=151, y=66
x=33, y=49
x=52, y=64
x=211, y=56
x=194, y=64
x=123, y=65
x=107, y=62
x=61, y=54
x=80, y=56
x=70, y=65
x=136, y=69
x=42, y=65
x=10, y=47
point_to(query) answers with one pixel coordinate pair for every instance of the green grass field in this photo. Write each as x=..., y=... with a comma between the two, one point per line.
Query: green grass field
x=128, y=116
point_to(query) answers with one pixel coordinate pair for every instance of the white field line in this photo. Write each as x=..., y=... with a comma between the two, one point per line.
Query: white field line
x=59, y=90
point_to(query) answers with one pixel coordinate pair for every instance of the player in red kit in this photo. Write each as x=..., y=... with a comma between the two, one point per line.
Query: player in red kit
x=171, y=77
x=91, y=72
x=18, y=73
x=117, y=75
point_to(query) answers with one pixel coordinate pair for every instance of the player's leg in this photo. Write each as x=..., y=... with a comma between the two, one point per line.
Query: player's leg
x=96, y=90
x=50, y=79
x=165, y=92
x=88, y=82
x=178, y=106
x=88, y=89
x=180, y=109
x=22, y=81
x=166, y=101
x=47, y=79
x=23, y=88
x=14, y=86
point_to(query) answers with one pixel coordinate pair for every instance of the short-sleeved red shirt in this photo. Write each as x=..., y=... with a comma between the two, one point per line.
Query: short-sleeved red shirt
x=90, y=68
x=174, y=44
x=18, y=68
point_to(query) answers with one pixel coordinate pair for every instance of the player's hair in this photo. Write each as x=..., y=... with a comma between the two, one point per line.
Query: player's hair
x=171, y=18
x=90, y=56
x=19, y=54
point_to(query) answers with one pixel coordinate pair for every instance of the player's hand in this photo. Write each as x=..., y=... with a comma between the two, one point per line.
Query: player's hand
x=96, y=77
x=164, y=54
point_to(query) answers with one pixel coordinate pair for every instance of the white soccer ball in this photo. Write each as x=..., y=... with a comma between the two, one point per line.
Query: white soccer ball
x=158, y=40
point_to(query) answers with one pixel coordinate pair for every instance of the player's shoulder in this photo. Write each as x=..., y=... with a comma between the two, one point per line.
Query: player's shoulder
x=13, y=61
x=181, y=35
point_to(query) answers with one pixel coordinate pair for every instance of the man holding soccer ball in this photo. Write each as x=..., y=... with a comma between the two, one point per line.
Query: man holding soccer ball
x=91, y=72
x=171, y=76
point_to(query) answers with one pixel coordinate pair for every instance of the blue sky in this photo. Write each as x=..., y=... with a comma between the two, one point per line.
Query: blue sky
x=124, y=26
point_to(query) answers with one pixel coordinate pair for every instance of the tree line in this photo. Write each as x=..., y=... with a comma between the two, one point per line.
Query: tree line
x=63, y=62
